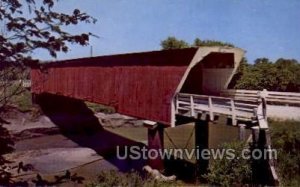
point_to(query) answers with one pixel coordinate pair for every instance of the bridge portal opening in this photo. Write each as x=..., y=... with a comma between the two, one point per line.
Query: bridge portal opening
x=211, y=75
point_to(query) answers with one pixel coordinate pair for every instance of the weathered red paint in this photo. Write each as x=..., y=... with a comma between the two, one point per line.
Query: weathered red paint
x=139, y=84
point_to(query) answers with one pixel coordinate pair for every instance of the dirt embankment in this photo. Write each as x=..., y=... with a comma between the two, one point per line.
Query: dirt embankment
x=49, y=152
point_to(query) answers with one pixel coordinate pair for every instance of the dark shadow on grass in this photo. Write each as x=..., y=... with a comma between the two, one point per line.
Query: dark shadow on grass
x=78, y=123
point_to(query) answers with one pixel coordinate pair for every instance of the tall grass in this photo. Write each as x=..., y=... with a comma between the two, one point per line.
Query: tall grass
x=286, y=139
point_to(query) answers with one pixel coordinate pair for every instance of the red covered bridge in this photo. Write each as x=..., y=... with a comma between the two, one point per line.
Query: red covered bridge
x=141, y=85
x=157, y=86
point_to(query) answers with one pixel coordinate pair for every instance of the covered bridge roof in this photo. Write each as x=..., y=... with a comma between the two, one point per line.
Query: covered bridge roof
x=139, y=84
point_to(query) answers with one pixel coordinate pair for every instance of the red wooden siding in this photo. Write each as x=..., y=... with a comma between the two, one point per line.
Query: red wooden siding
x=139, y=84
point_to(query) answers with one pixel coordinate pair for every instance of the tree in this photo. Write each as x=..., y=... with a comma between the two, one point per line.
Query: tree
x=199, y=43
x=283, y=75
x=288, y=75
x=29, y=25
x=173, y=43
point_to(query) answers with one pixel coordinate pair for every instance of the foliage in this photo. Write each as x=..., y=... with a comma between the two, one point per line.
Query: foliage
x=115, y=178
x=283, y=75
x=22, y=101
x=6, y=146
x=228, y=172
x=174, y=43
x=100, y=108
x=198, y=43
x=286, y=140
x=38, y=27
x=26, y=26
x=30, y=25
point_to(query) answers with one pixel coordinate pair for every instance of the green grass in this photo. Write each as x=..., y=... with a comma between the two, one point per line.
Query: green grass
x=286, y=139
x=100, y=108
x=23, y=101
x=17, y=96
x=115, y=178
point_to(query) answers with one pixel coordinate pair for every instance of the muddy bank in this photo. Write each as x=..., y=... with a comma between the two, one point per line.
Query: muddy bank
x=49, y=151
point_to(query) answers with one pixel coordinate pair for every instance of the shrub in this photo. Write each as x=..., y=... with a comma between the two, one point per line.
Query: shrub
x=228, y=172
x=23, y=101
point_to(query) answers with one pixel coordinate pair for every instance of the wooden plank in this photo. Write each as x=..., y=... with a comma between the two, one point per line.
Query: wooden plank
x=284, y=93
x=282, y=101
x=277, y=97
x=284, y=97
x=246, y=104
x=239, y=91
x=203, y=96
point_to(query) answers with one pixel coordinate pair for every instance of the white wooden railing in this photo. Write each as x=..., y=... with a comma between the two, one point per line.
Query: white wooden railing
x=281, y=98
x=193, y=105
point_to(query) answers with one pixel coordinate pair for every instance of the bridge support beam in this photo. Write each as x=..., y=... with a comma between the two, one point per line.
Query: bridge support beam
x=242, y=132
x=264, y=168
x=34, y=98
x=201, y=143
x=156, y=143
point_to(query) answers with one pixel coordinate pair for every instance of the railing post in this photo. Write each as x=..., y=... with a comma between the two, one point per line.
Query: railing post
x=192, y=106
x=263, y=96
x=262, y=110
x=233, y=113
x=210, y=106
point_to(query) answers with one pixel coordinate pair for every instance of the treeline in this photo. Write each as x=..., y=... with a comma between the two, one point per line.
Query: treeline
x=281, y=75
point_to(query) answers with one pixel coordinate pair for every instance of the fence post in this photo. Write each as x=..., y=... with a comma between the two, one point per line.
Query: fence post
x=210, y=106
x=192, y=106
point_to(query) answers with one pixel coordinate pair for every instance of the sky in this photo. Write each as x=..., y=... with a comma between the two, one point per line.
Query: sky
x=263, y=28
